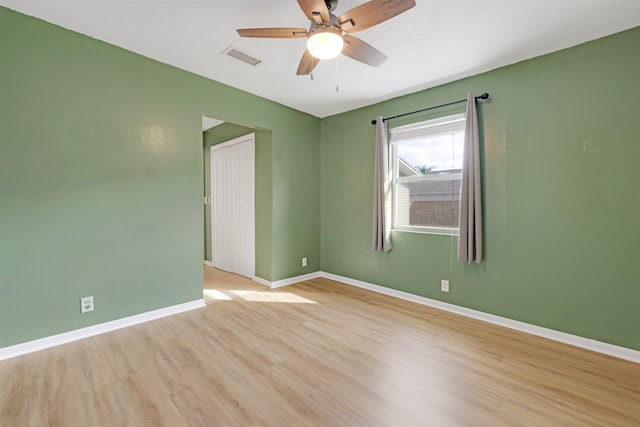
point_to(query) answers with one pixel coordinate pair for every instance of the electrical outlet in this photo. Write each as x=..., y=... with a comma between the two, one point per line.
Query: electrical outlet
x=304, y=261
x=444, y=285
x=86, y=304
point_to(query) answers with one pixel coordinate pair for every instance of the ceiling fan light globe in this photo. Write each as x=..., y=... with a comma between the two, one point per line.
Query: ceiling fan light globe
x=325, y=44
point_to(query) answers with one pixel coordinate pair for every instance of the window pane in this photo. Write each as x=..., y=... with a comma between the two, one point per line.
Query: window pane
x=433, y=153
x=429, y=202
x=427, y=159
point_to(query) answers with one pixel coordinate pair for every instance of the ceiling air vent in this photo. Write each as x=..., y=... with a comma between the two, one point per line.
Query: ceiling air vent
x=242, y=56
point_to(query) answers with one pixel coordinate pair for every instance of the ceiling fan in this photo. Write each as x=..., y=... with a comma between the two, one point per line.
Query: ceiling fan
x=329, y=35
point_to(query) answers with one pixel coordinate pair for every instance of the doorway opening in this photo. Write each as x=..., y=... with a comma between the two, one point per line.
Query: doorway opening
x=260, y=244
x=233, y=205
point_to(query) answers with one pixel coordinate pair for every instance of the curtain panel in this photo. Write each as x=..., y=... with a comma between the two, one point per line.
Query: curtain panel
x=381, y=191
x=470, y=236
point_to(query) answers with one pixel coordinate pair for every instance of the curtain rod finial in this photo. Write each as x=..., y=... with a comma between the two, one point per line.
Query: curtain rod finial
x=484, y=96
x=374, y=121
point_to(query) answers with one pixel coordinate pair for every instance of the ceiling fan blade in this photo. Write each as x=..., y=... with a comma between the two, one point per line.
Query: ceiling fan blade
x=273, y=33
x=313, y=8
x=372, y=13
x=362, y=51
x=307, y=64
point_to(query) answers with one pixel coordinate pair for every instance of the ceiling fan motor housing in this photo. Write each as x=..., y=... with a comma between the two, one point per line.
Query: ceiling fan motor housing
x=331, y=4
x=332, y=23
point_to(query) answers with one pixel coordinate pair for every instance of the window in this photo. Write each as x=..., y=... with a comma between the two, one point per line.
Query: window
x=427, y=172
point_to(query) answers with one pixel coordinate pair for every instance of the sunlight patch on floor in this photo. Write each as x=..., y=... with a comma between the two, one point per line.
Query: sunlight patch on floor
x=286, y=297
x=216, y=295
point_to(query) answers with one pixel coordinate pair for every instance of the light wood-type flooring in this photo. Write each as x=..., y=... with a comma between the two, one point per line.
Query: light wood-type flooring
x=318, y=353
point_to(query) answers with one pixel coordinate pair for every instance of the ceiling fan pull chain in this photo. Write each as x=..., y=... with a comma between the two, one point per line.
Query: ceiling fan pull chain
x=337, y=75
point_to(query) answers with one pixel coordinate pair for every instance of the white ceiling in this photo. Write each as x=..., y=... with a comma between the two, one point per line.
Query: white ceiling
x=437, y=41
x=209, y=122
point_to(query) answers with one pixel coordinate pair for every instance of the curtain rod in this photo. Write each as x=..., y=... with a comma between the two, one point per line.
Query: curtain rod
x=483, y=96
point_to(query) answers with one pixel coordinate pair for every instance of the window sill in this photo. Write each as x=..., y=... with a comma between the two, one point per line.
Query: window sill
x=428, y=230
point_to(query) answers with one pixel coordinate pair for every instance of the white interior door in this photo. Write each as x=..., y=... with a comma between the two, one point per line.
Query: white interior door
x=233, y=216
x=222, y=221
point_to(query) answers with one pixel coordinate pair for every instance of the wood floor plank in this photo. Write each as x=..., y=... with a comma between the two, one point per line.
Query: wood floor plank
x=318, y=353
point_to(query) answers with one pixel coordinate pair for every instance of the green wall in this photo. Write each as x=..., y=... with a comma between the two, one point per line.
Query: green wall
x=561, y=144
x=263, y=206
x=101, y=180
x=102, y=172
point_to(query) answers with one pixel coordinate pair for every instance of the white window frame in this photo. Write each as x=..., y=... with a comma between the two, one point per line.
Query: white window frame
x=430, y=128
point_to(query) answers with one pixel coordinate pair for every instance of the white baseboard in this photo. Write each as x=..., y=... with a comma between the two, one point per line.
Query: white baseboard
x=289, y=281
x=563, y=337
x=261, y=281
x=78, y=334
x=208, y=263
